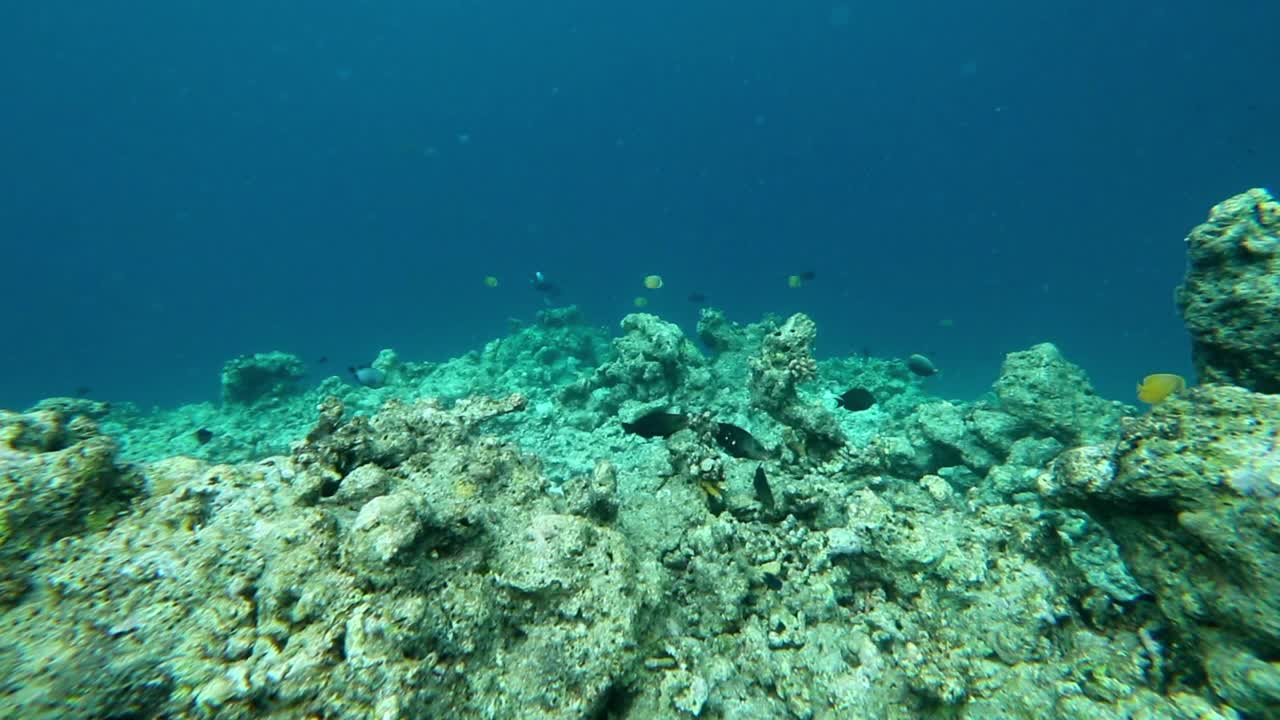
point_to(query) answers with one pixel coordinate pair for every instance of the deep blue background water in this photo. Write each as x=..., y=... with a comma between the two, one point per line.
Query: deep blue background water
x=182, y=182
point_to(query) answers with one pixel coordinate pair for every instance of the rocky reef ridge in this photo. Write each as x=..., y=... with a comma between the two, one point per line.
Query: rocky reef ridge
x=482, y=539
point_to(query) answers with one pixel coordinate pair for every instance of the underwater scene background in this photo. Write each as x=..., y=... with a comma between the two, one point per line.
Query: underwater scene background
x=689, y=360
x=189, y=181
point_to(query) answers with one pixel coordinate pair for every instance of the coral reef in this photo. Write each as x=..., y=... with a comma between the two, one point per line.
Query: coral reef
x=1230, y=297
x=482, y=538
x=784, y=361
x=403, y=564
x=251, y=378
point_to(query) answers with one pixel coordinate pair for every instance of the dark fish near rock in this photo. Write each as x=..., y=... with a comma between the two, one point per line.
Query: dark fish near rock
x=739, y=443
x=764, y=493
x=856, y=400
x=369, y=376
x=921, y=365
x=203, y=435
x=657, y=424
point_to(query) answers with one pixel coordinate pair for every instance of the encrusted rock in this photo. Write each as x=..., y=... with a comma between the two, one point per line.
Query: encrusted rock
x=250, y=378
x=1190, y=496
x=1230, y=299
x=784, y=360
x=1054, y=397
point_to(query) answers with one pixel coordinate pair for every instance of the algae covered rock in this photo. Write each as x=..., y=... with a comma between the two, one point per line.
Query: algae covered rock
x=250, y=378
x=1191, y=495
x=58, y=477
x=401, y=566
x=1054, y=397
x=784, y=361
x=653, y=360
x=1230, y=299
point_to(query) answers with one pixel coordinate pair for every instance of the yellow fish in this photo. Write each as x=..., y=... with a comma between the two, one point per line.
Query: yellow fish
x=1157, y=388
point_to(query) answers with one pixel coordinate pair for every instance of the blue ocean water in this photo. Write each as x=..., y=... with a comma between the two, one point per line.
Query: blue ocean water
x=183, y=182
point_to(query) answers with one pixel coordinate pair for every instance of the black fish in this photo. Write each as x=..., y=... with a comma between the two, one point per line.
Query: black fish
x=83, y=391
x=739, y=443
x=808, y=275
x=856, y=400
x=203, y=435
x=773, y=582
x=322, y=359
x=657, y=424
x=763, y=492
x=697, y=298
x=540, y=283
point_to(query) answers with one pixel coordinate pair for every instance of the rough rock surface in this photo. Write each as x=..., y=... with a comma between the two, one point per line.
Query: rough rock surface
x=783, y=362
x=58, y=478
x=1054, y=397
x=1191, y=494
x=429, y=578
x=1230, y=299
x=652, y=361
x=250, y=378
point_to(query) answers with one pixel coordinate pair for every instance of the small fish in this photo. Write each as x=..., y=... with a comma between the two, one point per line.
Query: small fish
x=370, y=377
x=1157, y=388
x=739, y=443
x=697, y=298
x=921, y=365
x=771, y=581
x=322, y=359
x=808, y=275
x=856, y=400
x=540, y=283
x=764, y=493
x=712, y=490
x=83, y=391
x=657, y=424
x=203, y=435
